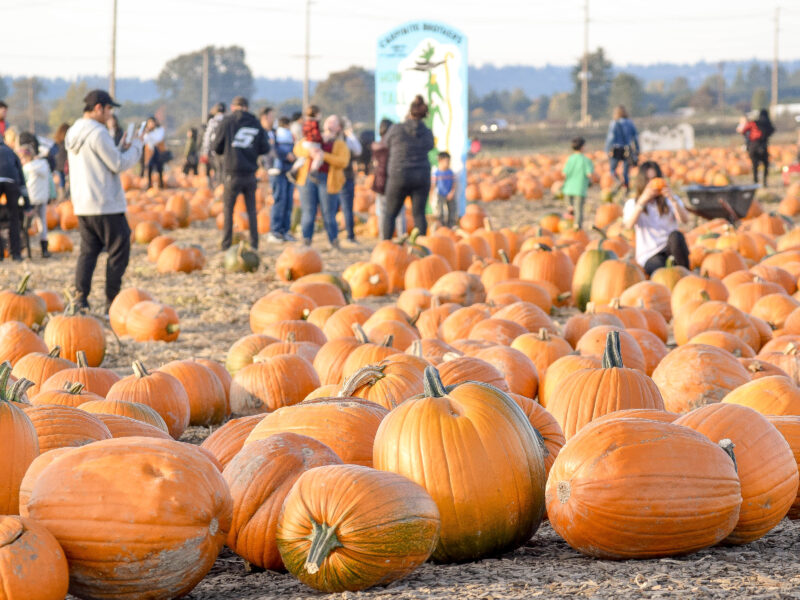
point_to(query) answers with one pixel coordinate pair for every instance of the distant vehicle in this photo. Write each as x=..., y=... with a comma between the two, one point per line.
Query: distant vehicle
x=494, y=125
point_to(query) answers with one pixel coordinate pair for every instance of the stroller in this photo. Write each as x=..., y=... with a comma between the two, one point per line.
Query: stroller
x=5, y=242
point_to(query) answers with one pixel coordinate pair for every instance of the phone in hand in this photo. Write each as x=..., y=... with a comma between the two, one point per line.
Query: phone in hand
x=142, y=125
x=128, y=137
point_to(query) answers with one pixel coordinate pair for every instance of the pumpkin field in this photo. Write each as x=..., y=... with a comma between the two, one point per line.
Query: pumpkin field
x=507, y=409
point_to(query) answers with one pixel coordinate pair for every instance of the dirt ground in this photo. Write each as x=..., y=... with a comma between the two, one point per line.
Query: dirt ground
x=213, y=306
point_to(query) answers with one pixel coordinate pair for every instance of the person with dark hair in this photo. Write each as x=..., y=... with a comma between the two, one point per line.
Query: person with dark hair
x=207, y=156
x=190, y=155
x=321, y=189
x=409, y=168
x=282, y=188
x=3, y=112
x=654, y=214
x=95, y=163
x=622, y=145
x=239, y=142
x=577, y=171
x=58, y=153
x=154, y=151
x=444, y=192
x=114, y=129
x=12, y=185
x=380, y=162
x=757, y=134
x=347, y=194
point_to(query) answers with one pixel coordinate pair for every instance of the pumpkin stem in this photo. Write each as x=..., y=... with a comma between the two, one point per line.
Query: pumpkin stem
x=670, y=261
x=791, y=349
x=80, y=356
x=728, y=446
x=416, y=349
x=704, y=295
x=543, y=247
x=412, y=237
x=291, y=337
x=18, y=390
x=23, y=285
x=73, y=388
x=564, y=296
x=173, y=327
x=323, y=542
x=55, y=352
x=612, y=357
x=590, y=309
x=448, y=356
x=139, y=369
x=434, y=388
x=365, y=376
x=361, y=335
x=544, y=335
x=615, y=303
x=603, y=234
x=5, y=373
x=503, y=256
x=388, y=341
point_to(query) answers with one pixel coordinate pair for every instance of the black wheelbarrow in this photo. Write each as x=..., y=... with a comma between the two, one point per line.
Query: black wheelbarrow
x=730, y=202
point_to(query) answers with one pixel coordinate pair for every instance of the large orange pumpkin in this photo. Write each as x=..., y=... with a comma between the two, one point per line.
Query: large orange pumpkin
x=765, y=463
x=207, y=403
x=62, y=426
x=422, y=440
x=19, y=443
x=789, y=427
x=271, y=383
x=259, y=478
x=225, y=442
x=22, y=305
x=32, y=563
x=97, y=380
x=346, y=527
x=73, y=332
x=621, y=487
x=171, y=499
x=772, y=395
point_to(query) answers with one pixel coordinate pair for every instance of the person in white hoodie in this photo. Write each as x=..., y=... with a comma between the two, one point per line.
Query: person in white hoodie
x=95, y=164
x=39, y=181
x=154, y=151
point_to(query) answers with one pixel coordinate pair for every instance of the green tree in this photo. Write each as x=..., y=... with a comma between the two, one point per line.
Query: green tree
x=626, y=89
x=739, y=85
x=19, y=114
x=69, y=107
x=560, y=107
x=3, y=88
x=349, y=93
x=679, y=85
x=600, y=75
x=181, y=81
x=518, y=102
x=760, y=99
x=704, y=99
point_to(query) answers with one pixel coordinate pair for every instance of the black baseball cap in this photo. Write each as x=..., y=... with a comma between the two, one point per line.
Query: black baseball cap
x=99, y=97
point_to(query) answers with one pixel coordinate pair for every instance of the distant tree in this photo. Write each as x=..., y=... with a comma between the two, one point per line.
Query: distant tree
x=626, y=89
x=760, y=99
x=518, y=102
x=758, y=76
x=349, y=93
x=703, y=99
x=3, y=89
x=656, y=86
x=538, y=108
x=739, y=85
x=181, y=81
x=18, y=107
x=69, y=107
x=288, y=107
x=679, y=85
x=600, y=75
x=560, y=107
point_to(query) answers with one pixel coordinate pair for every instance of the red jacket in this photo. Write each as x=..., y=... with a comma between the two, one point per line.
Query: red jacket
x=751, y=131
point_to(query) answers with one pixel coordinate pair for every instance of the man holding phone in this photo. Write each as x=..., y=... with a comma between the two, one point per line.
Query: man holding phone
x=95, y=164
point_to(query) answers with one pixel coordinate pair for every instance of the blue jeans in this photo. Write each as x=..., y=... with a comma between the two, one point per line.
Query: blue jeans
x=626, y=165
x=315, y=194
x=281, y=215
x=346, y=196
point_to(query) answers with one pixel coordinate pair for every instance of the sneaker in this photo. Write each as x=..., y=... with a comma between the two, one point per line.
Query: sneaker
x=307, y=241
x=16, y=258
x=348, y=243
x=335, y=244
x=288, y=237
x=273, y=238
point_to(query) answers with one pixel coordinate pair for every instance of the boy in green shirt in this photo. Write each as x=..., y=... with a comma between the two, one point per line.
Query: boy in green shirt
x=576, y=182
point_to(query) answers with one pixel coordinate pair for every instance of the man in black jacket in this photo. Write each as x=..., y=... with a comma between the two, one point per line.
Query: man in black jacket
x=240, y=140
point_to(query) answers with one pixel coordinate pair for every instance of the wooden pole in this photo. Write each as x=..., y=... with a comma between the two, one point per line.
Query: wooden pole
x=112, y=79
x=204, y=94
x=307, y=56
x=774, y=98
x=585, y=68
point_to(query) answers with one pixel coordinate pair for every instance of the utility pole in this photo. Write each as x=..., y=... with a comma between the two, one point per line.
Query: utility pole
x=307, y=56
x=204, y=96
x=774, y=98
x=112, y=80
x=721, y=85
x=585, y=68
x=31, y=107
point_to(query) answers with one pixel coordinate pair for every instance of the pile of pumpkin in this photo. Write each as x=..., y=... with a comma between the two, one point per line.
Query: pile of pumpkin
x=363, y=437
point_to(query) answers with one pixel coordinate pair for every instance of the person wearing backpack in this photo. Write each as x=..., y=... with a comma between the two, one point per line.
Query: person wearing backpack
x=622, y=145
x=757, y=134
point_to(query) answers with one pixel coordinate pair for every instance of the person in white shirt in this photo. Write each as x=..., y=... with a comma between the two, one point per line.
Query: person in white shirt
x=154, y=151
x=655, y=213
x=39, y=182
x=347, y=195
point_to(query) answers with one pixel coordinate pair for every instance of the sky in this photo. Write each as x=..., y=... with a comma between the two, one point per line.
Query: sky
x=69, y=38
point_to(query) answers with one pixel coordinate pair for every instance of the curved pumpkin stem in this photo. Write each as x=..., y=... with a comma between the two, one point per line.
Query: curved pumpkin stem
x=365, y=376
x=18, y=390
x=55, y=352
x=173, y=327
x=612, y=357
x=615, y=303
x=670, y=261
x=416, y=349
x=323, y=542
x=80, y=356
x=503, y=256
x=359, y=332
x=139, y=369
x=434, y=388
x=728, y=446
x=412, y=237
x=5, y=373
x=602, y=232
x=589, y=310
x=791, y=349
x=542, y=247
x=544, y=335
x=388, y=341
x=73, y=388
x=23, y=285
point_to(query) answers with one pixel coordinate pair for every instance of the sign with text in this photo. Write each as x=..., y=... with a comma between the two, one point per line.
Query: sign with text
x=427, y=58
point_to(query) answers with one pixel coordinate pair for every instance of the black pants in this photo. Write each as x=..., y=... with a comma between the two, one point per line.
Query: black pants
x=11, y=191
x=416, y=184
x=155, y=165
x=98, y=233
x=235, y=185
x=676, y=248
x=759, y=155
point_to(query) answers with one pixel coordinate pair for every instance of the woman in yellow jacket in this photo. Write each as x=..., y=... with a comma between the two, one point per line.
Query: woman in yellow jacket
x=321, y=188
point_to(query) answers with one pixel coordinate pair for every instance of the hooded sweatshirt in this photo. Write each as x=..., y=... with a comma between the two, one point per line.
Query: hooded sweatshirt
x=95, y=163
x=37, y=180
x=409, y=143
